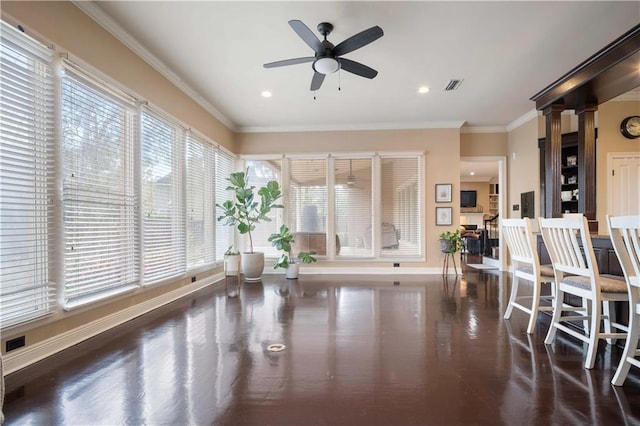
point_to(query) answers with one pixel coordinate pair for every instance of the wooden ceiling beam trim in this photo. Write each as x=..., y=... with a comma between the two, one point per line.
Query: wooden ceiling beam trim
x=610, y=72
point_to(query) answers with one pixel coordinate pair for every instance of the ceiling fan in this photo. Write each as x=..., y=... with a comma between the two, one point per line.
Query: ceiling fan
x=351, y=178
x=328, y=58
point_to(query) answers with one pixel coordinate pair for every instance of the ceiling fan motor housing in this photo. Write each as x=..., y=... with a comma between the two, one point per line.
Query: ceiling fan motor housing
x=325, y=29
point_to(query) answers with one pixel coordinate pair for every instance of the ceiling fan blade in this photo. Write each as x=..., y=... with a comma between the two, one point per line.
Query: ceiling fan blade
x=357, y=41
x=307, y=35
x=357, y=68
x=289, y=62
x=316, y=81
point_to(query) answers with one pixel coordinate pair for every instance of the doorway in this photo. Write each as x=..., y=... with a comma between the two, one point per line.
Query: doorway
x=490, y=171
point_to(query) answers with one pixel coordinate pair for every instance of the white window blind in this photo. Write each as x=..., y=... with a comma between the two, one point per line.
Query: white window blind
x=26, y=178
x=261, y=172
x=98, y=135
x=224, y=233
x=400, y=209
x=200, y=196
x=162, y=207
x=308, y=204
x=353, y=206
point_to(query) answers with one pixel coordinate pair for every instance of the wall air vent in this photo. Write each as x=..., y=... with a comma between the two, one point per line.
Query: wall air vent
x=453, y=85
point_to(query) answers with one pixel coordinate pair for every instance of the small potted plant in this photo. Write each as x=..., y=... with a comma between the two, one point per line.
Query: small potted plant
x=451, y=242
x=231, y=261
x=282, y=241
x=245, y=211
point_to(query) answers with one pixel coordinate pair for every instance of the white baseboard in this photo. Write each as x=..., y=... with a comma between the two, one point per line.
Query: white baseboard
x=30, y=354
x=491, y=261
x=384, y=270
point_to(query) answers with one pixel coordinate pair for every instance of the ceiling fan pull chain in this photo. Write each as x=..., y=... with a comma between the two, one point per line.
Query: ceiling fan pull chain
x=314, y=95
x=339, y=75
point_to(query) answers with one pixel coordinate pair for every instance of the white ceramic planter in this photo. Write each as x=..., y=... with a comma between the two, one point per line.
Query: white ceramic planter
x=252, y=266
x=292, y=271
x=232, y=264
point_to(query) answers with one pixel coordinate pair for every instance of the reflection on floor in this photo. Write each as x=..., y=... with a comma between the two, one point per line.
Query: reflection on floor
x=359, y=350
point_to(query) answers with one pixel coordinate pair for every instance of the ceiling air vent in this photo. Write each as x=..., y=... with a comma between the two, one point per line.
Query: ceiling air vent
x=452, y=85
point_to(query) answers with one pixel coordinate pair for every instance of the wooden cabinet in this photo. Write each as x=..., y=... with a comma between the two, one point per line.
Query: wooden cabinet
x=577, y=172
x=569, y=192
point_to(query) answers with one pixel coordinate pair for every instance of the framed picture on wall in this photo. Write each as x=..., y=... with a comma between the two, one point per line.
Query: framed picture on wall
x=443, y=216
x=443, y=192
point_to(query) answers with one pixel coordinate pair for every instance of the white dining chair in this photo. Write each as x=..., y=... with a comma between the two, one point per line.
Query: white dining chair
x=577, y=274
x=625, y=238
x=526, y=266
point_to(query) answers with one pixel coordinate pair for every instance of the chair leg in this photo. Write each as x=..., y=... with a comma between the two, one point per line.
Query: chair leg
x=512, y=298
x=594, y=338
x=557, y=313
x=587, y=312
x=535, y=305
x=629, y=348
x=609, y=314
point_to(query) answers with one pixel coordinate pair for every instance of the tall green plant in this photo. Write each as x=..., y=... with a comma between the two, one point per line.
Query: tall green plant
x=245, y=211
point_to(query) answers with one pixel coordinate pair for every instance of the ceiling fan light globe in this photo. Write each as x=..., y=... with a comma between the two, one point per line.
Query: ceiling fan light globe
x=326, y=65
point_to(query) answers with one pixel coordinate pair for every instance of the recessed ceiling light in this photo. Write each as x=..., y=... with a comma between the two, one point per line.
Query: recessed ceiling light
x=423, y=89
x=266, y=94
x=472, y=173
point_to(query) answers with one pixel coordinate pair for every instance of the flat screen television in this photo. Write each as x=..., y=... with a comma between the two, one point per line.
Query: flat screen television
x=468, y=198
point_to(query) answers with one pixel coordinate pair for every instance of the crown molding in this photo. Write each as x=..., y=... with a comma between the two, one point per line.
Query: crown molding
x=525, y=118
x=483, y=129
x=106, y=22
x=353, y=127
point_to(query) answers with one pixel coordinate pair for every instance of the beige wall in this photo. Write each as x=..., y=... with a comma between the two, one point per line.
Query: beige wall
x=523, y=172
x=442, y=154
x=70, y=30
x=483, y=144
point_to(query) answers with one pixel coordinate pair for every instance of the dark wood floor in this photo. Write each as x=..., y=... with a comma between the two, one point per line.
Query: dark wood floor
x=401, y=350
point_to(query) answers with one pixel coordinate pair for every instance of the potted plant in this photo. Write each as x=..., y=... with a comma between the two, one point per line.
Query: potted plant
x=282, y=241
x=245, y=212
x=451, y=242
x=231, y=261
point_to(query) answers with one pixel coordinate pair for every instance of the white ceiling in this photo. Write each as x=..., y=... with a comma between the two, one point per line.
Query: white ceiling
x=505, y=52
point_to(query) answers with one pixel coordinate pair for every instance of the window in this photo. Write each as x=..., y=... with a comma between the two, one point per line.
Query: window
x=308, y=204
x=162, y=208
x=200, y=201
x=376, y=205
x=261, y=172
x=400, y=206
x=354, y=206
x=137, y=190
x=224, y=233
x=26, y=178
x=100, y=232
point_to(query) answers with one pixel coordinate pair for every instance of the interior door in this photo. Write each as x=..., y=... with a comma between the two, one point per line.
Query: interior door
x=624, y=192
